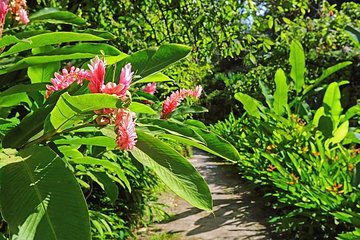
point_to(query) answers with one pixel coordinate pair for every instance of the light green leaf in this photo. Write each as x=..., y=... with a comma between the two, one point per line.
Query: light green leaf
x=114, y=167
x=57, y=16
x=281, y=92
x=50, y=39
x=297, y=61
x=340, y=133
x=173, y=169
x=332, y=103
x=152, y=60
x=106, y=183
x=70, y=110
x=141, y=108
x=35, y=187
x=249, y=103
x=156, y=77
x=101, y=141
x=43, y=72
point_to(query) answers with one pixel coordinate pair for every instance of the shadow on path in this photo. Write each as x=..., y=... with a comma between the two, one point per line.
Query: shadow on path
x=238, y=213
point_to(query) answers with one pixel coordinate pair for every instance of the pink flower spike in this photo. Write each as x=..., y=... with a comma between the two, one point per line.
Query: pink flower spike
x=23, y=16
x=172, y=102
x=126, y=77
x=112, y=89
x=150, y=88
x=3, y=10
x=64, y=80
x=197, y=92
x=125, y=125
x=96, y=74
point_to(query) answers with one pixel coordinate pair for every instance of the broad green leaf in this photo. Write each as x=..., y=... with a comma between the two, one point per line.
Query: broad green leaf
x=20, y=88
x=111, y=166
x=175, y=128
x=266, y=93
x=35, y=60
x=152, y=60
x=70, y=110
x=28, y=127
x=13, y=99
x=106, y=183
x=156, y=77
x=43, y=72
x=353, y=111
x=297, y=61
x=332, y=103
x=249, y=103
x=182, y=110
x=326, y=73
x=281, y=92
x=141, y=108
x=94, y=48
x=50, y=39
x=173, y=169
x=8, y=40
x=35, y=187
x=354, y=34
x=340, y=133
x=55, y=15
x=219, y=145
x=101, y=141
x=318, y=114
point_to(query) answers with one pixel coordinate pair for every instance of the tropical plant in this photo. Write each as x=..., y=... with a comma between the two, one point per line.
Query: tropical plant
x=78, y=129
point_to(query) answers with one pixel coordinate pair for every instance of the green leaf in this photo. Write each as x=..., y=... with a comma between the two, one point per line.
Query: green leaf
x=57, y=16
x=28, y=127
x=297, y=61
x=281, y=92
x=101, y=141
x=217, y=144
x=35, y=60
x=111, y=166
x=353, y=111
x=173, y=169
x=94, y=48
x=141, y=108
x=35, y=187
x=50, y=39
x=266, y=93
x=43, y=72
x=326, y=73
x=152, y=60
x=8, y=40
x=249, y=103
x=332, y=103
x=340, y=133
x=156, y=77
x=354, y=34
x=106, y=183
x=70, y=110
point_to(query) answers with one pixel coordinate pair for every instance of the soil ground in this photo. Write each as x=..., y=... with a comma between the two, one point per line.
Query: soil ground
x=238, y=212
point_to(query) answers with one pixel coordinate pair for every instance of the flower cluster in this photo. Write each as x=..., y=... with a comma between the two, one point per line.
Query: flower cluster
x=175, y=99
x=150, y=88
x=18, y=9
x=123, y=118
x=65, y=79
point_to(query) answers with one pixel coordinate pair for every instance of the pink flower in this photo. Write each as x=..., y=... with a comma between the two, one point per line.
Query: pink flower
x=96, y=74
x=3, y=10
x=97, y=77
x=125, y=125
x=197, y=92
x=18, y=10
x=64, y=80
x=23, y=17
x=150, y=88
x=175, y=99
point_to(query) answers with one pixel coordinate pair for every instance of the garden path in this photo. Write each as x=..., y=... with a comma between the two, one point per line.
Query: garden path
x=238, y=212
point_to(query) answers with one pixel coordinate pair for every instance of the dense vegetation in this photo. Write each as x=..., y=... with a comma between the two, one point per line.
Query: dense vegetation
x=281, y=76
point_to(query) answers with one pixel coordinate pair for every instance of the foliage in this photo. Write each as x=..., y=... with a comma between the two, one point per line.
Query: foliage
x=305, y=159
x=49, y=140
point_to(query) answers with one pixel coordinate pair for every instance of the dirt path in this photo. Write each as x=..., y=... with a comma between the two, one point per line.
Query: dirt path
x=238, y=213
